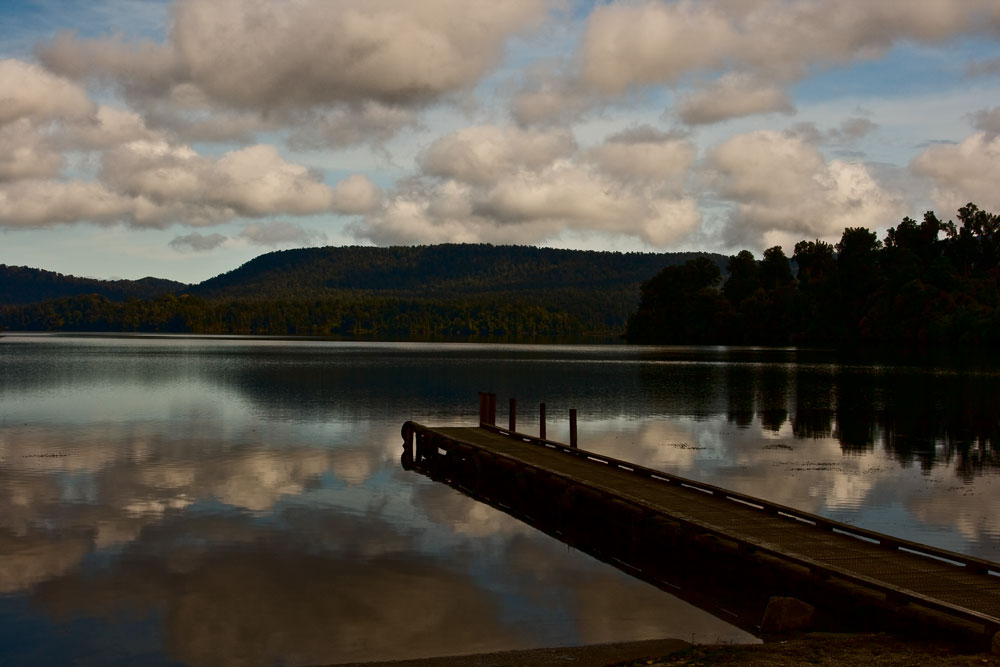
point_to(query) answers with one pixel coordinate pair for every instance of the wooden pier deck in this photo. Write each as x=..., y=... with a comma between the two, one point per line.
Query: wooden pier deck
x=552, y=478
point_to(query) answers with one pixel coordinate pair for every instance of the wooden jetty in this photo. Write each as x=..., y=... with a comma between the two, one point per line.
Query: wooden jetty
x=643, y=518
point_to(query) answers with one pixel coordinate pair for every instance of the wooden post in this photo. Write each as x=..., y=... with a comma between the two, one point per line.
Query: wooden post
x=572, y=428
x=484, y=411
x=513, y=414
x=541, y=421
x=492, y=416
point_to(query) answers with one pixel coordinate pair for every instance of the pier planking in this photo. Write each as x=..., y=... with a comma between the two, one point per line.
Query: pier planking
x=901, y=572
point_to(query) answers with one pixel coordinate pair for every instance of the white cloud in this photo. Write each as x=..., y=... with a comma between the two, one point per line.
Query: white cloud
x=42, y=203
x=510, y=185
x=154, y=184
x=252, y=181
x=784, y=191
x=106, y=128
x=280, y=232
x=645, y=155
x=28, y=91
x=26, y=153
x=968, y=172
x=483, y=154
x=631, y=44
x=741, y=52
x=731, y=96
x=356, y=194
x=257, y=54
x=506, y=185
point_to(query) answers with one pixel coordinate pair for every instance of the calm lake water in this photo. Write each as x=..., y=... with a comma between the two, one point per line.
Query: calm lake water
x=240, y=501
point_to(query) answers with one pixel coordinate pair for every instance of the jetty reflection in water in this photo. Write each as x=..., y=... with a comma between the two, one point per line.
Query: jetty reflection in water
x=195, y=501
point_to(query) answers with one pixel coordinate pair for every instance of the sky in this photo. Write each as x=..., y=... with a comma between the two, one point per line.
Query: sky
x=181, y=138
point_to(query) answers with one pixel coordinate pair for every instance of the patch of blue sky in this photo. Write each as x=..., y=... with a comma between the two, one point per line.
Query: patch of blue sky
x=906, y=70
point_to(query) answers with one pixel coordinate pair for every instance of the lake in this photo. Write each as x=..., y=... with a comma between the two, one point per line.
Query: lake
x=239, y=501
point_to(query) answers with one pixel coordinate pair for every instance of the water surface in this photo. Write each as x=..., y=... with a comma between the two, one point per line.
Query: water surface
x=239, y=501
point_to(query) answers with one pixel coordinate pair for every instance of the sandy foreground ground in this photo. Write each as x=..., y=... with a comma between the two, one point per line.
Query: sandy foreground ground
x=813, y=649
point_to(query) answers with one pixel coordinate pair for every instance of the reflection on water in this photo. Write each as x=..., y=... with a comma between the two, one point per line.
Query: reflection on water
x=212, y=502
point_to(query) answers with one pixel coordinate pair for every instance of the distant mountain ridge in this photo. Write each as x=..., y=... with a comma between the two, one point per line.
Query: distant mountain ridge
x=20, y=285
x=432, y=271
x=421, y=292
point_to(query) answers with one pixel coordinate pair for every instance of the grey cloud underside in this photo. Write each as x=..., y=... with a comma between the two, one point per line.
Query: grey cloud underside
x=197, y=242
x=264, y=55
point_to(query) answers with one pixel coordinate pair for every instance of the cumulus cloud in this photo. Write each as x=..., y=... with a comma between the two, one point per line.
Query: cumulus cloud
x=646, y=155
x=784, y=190
x=987, y=121
x=155, y=183
x=968, y=172
x=138, y=66
x=509, y=185
x=106, y=128
x=263, y=55
x=26, y=153
x=483, y=154
x=732, y=96
x=350, y=125
x=30, y=91
x=740, y=54
x=44, y=203
x=252, y=181
x=549, y=93
x=630, y=44
x=280, y=232
x=197, y=242
x=355, y=194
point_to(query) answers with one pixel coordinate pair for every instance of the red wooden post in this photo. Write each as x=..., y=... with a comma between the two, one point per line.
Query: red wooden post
x=513, y=414
x=484, y=411
x=492, y=419
x=541, y=421
x=572, y=428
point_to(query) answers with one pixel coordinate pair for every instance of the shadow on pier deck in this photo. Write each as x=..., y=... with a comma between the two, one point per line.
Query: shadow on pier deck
x=725, y=552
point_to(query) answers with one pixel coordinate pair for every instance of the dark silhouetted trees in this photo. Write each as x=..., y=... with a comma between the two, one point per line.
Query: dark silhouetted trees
x=927, y=283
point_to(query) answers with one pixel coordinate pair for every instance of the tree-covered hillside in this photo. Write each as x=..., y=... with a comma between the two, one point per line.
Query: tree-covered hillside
x=23, y=285
x=446, y=271
x=447, y=291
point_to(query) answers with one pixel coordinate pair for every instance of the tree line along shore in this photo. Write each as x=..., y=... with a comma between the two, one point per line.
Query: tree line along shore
x=931, y=282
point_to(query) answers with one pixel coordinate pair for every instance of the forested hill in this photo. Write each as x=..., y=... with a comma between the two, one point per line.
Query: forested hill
x=423, y=292
x=23, y=285
x=438, y=271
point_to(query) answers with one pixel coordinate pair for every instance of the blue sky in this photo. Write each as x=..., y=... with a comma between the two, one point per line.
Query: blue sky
x=182, y=138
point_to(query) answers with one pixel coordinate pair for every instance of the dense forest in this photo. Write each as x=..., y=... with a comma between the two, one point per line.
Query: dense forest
x=423, y=292
x=926, y=283
x=22, y=285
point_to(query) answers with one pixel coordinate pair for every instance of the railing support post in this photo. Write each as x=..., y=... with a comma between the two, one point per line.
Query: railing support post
x=512, y=414
x=541, y=421
x=484, y=408
x=492, y=416
x=572, y=428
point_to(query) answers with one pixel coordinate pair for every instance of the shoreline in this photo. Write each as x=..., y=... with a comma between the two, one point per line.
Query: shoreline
x=800, y=650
